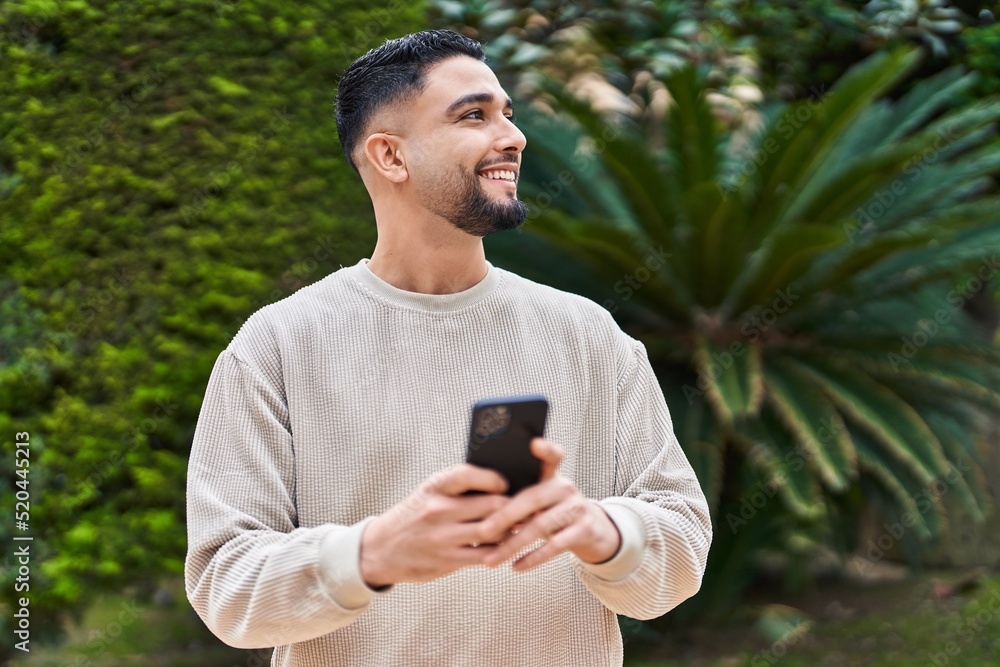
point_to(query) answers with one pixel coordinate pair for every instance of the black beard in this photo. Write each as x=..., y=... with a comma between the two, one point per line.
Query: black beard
x=478, y=214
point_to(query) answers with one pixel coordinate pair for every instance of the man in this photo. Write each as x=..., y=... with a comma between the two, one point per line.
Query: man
x=327, y=513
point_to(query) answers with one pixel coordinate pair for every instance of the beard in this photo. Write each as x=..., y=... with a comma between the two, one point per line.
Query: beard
x=461, y=200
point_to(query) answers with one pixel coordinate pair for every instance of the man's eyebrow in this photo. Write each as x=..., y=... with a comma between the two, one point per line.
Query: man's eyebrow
x=475, y=98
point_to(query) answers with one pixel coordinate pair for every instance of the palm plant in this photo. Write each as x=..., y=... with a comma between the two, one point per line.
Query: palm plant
x=801, y=299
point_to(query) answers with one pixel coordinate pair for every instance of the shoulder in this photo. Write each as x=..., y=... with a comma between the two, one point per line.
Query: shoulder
x=571, y=316
x=566, y=304
x=266, y=335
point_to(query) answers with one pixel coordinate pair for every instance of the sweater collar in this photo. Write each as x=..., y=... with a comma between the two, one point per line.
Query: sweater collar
x=425, y=302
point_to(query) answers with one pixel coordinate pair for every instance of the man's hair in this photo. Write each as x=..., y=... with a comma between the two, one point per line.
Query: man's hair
x=389, y=74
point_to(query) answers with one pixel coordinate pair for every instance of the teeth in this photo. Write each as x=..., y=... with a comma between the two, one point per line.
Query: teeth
x=500, y=174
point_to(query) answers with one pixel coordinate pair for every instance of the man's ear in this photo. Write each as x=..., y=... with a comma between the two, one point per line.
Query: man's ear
x=382, y=152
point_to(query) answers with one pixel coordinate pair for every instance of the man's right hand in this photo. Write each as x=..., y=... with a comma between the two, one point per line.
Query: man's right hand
x=431, y=532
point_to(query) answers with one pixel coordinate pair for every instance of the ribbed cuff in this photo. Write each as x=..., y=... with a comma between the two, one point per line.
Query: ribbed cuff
x=629, y=555
x=340, y=567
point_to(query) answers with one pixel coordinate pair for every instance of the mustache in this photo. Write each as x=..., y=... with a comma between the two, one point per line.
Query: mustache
x=507, y=159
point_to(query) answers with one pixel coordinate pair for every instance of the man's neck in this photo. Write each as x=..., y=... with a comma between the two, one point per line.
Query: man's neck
x=415, y=267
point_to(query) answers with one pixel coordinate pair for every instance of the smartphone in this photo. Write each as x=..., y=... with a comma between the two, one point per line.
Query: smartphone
x=500, y=436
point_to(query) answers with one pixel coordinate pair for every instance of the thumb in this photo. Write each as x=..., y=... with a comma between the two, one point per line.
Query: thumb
x=550, y=454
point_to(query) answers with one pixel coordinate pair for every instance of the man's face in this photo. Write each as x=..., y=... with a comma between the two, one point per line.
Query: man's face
x=465, y=151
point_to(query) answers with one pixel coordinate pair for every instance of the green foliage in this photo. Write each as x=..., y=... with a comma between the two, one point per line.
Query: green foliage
x=801, y=297
x=115, y=632
x=898, y=624
x=169, y=167
x=982, y=47
x=810, y=46
x=772, y=47
x=627, y=43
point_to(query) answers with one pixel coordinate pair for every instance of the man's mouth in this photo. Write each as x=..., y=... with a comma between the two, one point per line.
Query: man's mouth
x=499, y=174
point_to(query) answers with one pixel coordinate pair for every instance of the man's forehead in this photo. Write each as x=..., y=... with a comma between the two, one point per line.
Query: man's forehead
x=461, y=80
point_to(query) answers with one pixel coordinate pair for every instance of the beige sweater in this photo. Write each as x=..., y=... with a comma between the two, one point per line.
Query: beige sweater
x=331, y=405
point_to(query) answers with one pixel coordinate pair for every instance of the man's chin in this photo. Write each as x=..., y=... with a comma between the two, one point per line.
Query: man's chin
x=513, y=220
x=502, y=228
x=491, y=213
x=502, y=197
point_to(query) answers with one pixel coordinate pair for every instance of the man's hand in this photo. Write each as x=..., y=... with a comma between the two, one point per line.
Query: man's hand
x=553, y=510
x=431, y=532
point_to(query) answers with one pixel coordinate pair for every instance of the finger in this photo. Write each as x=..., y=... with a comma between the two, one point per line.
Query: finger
x=467, y=477
x=550, y=454
x=559, y=543
x=459, y=536
x=545, y=526
x=476, y=508
x=522, y=506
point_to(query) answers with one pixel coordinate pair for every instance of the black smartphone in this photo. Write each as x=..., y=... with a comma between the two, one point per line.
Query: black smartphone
x=500, y=437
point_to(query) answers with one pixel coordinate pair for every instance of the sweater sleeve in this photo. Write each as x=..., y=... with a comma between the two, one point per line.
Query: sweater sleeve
x=659, y=507
x=255, y=578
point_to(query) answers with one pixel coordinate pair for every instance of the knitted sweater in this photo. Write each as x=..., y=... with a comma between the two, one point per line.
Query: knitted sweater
x=332, y=405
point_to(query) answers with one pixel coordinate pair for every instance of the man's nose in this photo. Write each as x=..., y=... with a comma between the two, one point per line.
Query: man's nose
x=512, y=140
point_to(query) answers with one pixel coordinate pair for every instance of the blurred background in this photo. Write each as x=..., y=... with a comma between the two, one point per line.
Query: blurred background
x=794, y=205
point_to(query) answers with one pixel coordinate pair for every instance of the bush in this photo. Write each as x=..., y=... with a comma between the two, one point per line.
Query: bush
x=169, y=167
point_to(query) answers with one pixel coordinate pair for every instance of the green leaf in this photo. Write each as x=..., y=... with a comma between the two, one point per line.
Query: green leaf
x=803, y=145
x=227, y=87
x=690, y=128
x=769, y=449
x=812, y=420
x=891, y=422
x=787, y=255
x=928, y=515
x=732, y=375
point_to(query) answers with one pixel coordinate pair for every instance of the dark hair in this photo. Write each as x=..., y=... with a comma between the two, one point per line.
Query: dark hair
x=389, y=74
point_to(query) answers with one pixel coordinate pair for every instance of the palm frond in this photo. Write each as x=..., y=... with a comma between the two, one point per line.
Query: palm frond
x=732, y=382
x=812, y=420
x=807, y=321
x=769, y=449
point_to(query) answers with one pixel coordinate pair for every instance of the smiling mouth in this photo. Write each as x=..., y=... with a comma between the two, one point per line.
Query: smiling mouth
x=501, y=175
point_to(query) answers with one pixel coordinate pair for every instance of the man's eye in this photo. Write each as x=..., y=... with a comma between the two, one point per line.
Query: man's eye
x=478, y=115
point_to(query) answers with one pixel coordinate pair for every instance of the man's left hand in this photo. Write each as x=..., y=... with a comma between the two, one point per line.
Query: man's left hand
x=553, y=510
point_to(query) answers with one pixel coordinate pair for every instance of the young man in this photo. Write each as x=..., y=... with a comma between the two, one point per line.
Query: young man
x=326, y=506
